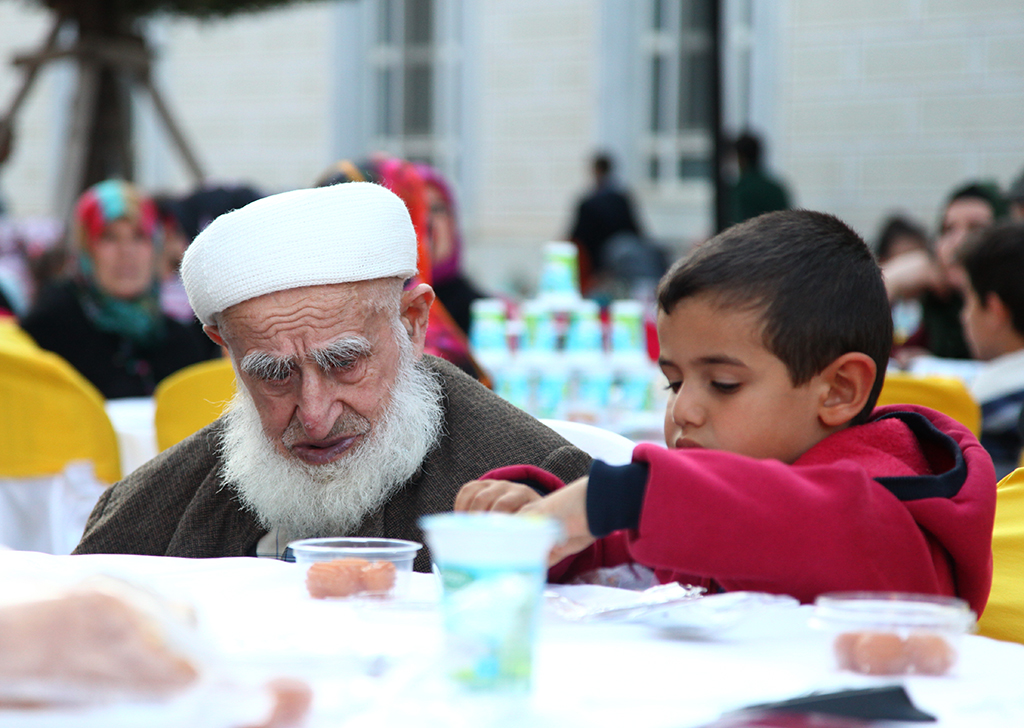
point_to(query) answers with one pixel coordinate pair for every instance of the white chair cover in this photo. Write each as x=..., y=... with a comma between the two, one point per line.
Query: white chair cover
x=611, y=447
x=48, y=513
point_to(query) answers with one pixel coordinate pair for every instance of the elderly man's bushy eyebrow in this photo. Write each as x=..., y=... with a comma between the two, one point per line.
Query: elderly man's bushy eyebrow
x=260, y=365
x=337, y=355
x=341, y=353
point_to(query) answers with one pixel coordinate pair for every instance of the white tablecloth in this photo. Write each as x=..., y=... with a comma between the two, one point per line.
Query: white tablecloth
x=378, y=664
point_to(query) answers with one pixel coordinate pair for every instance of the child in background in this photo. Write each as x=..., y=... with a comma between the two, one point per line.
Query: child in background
x=780, y=475
x=993, y=319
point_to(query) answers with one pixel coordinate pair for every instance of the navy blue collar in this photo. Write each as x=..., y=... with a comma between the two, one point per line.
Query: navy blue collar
x=940, y=485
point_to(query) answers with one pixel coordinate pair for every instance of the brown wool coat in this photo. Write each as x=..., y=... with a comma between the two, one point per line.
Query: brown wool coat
x=177, y=505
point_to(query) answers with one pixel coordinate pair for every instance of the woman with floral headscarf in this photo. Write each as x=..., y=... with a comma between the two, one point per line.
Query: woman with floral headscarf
x=106, y=320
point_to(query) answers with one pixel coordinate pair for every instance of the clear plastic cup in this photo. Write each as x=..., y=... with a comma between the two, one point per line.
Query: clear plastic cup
x=892, y=633
x=356, y=567
x=493, y=568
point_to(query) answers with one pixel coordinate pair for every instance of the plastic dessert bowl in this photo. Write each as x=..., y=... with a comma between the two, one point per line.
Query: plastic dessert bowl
x=892, y=633
x=346, y=567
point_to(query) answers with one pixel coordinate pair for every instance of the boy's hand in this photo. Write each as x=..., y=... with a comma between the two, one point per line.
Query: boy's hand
x=569, y=506
x=494, y=495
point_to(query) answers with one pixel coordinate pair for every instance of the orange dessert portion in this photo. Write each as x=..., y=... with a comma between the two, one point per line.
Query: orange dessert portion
x=346, y=577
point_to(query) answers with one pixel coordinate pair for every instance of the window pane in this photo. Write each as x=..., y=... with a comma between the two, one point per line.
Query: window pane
x=418, y=112
x=652, y=169
x=657, y=99
x=696, y=16
x=695, y=90
x=385, y=21
x=419, y=21
x=657, y=15
x=694, y=168
x=385, y=106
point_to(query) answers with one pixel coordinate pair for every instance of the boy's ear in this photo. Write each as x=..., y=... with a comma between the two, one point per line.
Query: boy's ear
x=993, y=304
x=849, y=380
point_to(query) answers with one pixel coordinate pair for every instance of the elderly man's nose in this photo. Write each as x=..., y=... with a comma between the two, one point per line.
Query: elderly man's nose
x=316, y=407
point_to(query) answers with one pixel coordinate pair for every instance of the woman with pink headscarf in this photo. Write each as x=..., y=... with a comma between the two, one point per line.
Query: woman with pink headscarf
x=456, y=292
x=106, y=319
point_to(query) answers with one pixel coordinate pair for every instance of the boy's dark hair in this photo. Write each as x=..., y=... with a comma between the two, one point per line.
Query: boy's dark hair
x=994, y=260
x=814, y=279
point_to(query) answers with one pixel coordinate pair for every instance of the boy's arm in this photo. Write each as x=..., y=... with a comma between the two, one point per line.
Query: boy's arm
x=519, y=488
x=762, y=525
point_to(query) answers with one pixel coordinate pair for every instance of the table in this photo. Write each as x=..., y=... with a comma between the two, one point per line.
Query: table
x=377, y=664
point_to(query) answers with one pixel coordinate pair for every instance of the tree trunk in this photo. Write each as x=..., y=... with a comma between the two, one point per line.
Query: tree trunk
x=110, y=135
x=111, y=56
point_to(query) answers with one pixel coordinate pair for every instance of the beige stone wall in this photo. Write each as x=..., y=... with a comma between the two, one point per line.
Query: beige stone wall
x=536, y=125
x=882, y=105
x=888, y=105
x=252, y=94
x=28, y=179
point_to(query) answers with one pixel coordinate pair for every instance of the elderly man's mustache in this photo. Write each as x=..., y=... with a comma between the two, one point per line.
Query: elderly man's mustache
x=350, y=424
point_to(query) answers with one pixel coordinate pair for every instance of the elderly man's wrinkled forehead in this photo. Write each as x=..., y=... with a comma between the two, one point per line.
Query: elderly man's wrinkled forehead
x=356, y=301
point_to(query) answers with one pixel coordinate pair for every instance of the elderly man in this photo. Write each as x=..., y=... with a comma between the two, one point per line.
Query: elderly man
x=341, y=426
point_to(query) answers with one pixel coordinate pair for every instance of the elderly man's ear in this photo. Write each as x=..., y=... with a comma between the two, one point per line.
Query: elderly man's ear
x=415, y=313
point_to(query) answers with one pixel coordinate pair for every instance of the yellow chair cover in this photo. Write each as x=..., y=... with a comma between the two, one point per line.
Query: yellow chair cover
x=51, y=415
x=192, y=398
x=12, y=336
x=1004, y=616
x=945, y=394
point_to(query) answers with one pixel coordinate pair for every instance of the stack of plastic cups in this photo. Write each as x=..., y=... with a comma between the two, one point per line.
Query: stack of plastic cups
x=488, y=338
x=542, y=360
x=589, y=366
x=559, y=278
x=632, y=369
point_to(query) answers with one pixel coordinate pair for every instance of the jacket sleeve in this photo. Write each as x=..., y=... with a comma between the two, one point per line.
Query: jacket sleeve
x=766, y=526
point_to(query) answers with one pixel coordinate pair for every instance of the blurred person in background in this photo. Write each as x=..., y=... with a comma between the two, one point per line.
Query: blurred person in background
x=755, y=190
x=173, y=299
x=449, y=282
x=30, y=255
x=899, y=236
x=1015, y=198
x=993, y=319
x=604, y=212
x=445, y=338
x=179, y=221
x=106, y=318
x=936, y=277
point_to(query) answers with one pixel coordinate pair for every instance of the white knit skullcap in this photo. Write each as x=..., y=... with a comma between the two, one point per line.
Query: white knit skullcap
x=353, y=231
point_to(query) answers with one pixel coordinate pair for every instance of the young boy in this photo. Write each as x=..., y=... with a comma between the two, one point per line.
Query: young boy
x=993, y=319
x=779, y=475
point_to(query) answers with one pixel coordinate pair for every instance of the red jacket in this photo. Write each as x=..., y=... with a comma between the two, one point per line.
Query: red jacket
x=904, y=502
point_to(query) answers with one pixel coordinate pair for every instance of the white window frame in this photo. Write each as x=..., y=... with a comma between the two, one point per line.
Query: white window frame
x=438, y=144
x=667, y=143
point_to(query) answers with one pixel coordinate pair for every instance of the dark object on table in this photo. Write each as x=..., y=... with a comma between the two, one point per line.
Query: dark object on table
x=885, y=703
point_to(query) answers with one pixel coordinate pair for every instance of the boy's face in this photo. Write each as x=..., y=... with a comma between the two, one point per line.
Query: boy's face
x=981, y=326
x=727, y=391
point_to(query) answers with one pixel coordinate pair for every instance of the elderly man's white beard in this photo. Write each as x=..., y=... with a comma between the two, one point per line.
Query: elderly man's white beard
x=305, y=500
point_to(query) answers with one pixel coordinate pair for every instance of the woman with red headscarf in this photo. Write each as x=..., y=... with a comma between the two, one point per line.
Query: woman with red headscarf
x=106, y=320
